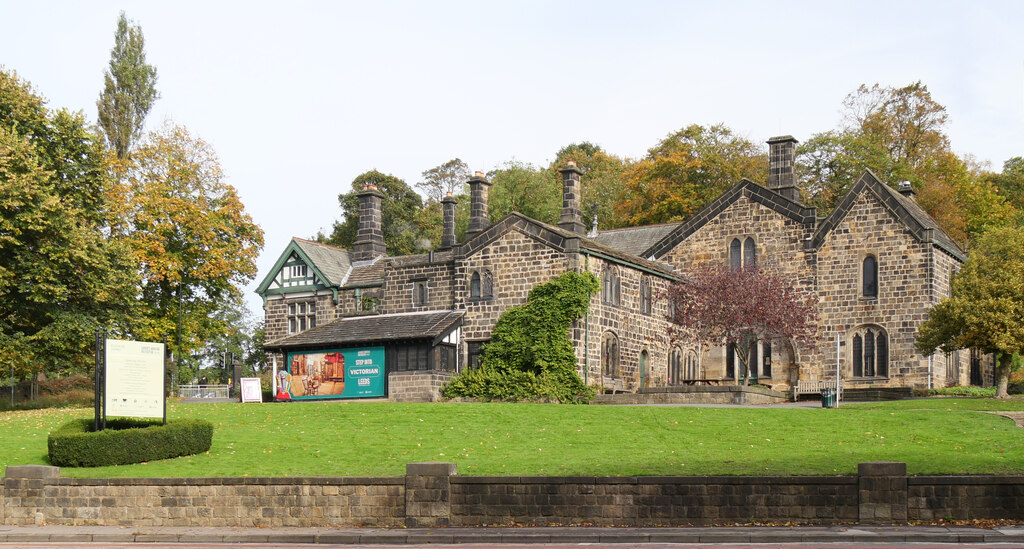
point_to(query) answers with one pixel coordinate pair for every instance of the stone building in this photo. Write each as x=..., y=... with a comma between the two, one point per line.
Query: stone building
x=360, y=323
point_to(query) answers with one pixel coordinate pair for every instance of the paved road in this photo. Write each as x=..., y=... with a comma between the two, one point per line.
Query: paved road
x=474, y=538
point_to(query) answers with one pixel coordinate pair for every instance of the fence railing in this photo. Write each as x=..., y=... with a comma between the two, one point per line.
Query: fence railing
x=203, y=391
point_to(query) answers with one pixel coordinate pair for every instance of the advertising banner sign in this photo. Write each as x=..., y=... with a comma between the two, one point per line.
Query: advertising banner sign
x=252, y=391
x=134, y=380
x=342, y=373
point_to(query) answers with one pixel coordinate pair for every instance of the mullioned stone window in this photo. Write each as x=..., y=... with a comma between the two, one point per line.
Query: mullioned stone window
x=611, y=286
x=301, y=316
x=481, y=285
x=742, y=253
x=870, y=350
x=646, y=296
x=610, y=355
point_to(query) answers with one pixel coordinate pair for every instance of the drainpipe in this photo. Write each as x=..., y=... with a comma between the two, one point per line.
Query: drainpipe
x=586, y=331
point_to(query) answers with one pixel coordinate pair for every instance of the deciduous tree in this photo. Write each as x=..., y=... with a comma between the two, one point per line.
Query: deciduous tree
x=685, y=171
x=986, y=309
x=399, y=210
x=191, y=236
x=716, y=304
x=129, y=89
x=60, y=277
x=524, y=188
x=449, y=177
x=602, y=181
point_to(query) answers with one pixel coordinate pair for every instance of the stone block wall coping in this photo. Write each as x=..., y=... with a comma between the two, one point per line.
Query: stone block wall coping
x=431, y=468
x=32, y=471
x=233, y=481
x=882, y=469
x=706, y=480
x=712, y=389
x=930, y=480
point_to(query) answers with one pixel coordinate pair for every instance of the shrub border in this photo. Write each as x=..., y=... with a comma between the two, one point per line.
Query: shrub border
x=126, y=441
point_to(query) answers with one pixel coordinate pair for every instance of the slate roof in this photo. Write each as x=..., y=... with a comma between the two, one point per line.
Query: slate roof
x=365, y=273
x=332, y=262
x=906, y=209
x=634, y=240
x=563, y=240
x=370, y=329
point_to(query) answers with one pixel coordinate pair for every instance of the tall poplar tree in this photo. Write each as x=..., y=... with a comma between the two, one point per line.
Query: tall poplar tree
x=129, y=89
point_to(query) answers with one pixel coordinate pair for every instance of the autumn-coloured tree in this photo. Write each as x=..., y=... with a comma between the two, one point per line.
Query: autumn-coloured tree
x=685, y=171
x=193, y=241
x=449, y=177
x=719, y=305
x=60, y=277
x=986, y=309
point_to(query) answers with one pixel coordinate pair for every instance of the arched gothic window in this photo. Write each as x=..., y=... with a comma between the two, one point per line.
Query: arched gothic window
x=646, y=296
x=742, y=253
x=611, y=286
x=675, y=367
x=869, y=279
x=474, y=285
x=870, y=350
x=488, y=285
x=690, y=366
x=610, y=355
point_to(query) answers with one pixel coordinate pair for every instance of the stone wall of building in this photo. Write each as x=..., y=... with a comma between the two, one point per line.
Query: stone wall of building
x=780, y=244
x=634, y=330
x=420, y=386
x=905, y=293
x=516, y=263
x=400, y=281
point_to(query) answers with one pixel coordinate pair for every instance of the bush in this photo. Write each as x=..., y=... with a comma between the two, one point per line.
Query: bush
x=964, y=391
x=126, y=441
x=530, y=356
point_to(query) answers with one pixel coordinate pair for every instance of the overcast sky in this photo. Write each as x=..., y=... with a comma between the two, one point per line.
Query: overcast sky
x=298, y=98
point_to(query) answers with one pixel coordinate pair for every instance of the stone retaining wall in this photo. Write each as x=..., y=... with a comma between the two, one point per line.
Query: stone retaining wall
x=700, y=394
x=432, y=494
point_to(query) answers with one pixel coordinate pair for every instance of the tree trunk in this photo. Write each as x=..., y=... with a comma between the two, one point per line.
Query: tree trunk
x=1003, y=363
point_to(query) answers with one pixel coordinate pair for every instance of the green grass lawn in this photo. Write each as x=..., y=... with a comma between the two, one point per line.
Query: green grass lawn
x=377, y=439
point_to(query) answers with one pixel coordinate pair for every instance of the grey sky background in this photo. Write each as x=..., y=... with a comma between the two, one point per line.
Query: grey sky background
x=298, y=98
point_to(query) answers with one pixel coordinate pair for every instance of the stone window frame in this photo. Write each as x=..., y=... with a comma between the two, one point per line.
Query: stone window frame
x=420, y=292
x=861, y=280
x=691, y=368
x=646, y=295
x=484, y=285
x=611, y=286
x=879, y=347
x=474, y=351
x=301, y=316
x=610, y=354
x=674, y=365
x=744, y=247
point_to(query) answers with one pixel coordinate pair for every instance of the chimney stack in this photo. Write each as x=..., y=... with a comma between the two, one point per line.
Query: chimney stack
x=448, y=228
x=572, y=218
x=478, y=220
x=781, y=161
x=907, y=190
x=370, y=235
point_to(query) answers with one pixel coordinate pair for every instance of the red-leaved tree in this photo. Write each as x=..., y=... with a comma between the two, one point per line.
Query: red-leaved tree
x=718, y=305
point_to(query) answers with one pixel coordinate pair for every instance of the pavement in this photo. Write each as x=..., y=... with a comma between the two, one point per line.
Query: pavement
x=853, y=534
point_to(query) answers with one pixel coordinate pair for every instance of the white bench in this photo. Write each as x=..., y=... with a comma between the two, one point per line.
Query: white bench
x=814, y=387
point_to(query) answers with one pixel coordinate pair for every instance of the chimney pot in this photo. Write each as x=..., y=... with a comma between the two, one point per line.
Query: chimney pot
x=906, y=189
x=478, y=173
x=448, y=221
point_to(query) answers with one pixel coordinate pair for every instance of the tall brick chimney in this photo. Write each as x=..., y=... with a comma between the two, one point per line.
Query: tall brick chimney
x=370, y=235
x=572, y=217
x=781, y=160
x=448, y=227
x=478, y=220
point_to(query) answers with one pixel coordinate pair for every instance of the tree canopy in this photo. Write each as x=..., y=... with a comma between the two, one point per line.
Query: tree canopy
x=129, y=89
x=714, y=303
x=400, y=213
x=59, y=276
x=986, y=308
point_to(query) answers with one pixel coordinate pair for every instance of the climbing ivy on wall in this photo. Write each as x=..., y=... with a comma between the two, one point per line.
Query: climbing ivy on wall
x=530, y=355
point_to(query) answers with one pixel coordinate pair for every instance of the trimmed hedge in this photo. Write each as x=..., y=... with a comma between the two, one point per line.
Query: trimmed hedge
x=126, y=441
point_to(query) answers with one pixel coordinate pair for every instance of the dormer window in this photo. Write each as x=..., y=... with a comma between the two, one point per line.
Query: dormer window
x=297, y=271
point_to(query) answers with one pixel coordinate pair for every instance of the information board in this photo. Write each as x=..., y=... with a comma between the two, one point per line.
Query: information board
x=341, y=373
x=134, y=380
x=252, y=391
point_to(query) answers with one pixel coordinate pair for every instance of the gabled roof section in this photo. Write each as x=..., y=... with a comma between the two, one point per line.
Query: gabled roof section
x=327, y=263
x=371, y=329
x=903, y=208
x=634, y=240
x=561, y=240
x=756, y=193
